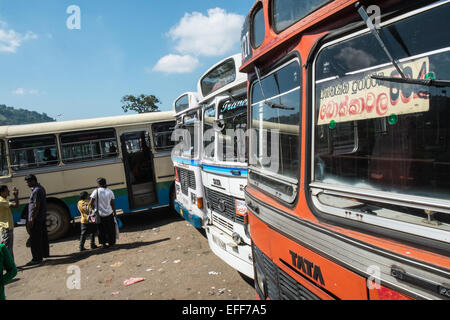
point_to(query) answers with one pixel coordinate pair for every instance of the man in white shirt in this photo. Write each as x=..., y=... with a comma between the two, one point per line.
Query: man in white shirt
x=102, y=199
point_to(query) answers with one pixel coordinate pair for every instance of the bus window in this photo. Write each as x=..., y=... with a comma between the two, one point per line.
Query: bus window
x=33, y=152
x=3, y=162
x=258, y=28
x=219, y=77
x=275, y=124
x=287, y=12
x=88, y=145
x=232, y=140
x=182, y=104
x=208, y=132
x=162, y=133
x=401, y=139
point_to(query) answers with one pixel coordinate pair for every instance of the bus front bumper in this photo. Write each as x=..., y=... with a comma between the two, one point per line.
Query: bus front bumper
x=195, y=220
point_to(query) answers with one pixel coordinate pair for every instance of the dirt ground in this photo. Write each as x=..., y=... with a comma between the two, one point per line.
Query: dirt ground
x=172, y=256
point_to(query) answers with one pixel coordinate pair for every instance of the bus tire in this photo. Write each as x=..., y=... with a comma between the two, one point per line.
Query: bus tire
x=58, y=221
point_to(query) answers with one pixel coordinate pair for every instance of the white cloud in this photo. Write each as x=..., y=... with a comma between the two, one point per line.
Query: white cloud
x=19, y=91
x=213, y=35
x=22, y=91
x=173, y=63
x=10, y=40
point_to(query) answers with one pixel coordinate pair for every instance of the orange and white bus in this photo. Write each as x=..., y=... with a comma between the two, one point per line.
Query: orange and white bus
x=349, y=159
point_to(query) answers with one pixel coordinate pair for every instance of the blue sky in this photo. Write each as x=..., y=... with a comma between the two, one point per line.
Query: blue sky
x=122, y=47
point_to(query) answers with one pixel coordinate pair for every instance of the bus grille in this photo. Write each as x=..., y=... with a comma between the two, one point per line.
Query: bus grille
x=280, y=286
x=223, y=204
x=219, y=221
x=187, y=180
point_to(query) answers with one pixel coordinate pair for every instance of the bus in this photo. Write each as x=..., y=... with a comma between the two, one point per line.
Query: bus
x=186, y=160
x=348, y=178
x=223, y=91
x=132, y=152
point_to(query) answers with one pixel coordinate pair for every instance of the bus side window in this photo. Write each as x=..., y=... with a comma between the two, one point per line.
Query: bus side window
x=162, y=133
x=3, y=162
x=33, y=152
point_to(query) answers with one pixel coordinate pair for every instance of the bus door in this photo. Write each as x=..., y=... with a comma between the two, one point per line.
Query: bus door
x=139, y=169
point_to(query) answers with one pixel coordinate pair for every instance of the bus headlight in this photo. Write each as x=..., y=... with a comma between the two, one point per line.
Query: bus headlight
x=236, y=238
x=260, y=281
x=193, y=198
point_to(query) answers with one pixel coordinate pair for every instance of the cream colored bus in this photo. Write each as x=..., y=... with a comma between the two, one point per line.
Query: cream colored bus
x=132, y=152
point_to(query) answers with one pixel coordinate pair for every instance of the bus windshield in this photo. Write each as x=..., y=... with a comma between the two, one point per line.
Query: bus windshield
x=219, y=77
x=233, y=121
x=386, y=136
x=191, y=124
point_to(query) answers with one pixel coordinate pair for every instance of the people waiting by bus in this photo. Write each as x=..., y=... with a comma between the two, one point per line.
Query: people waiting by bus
x=102, y=199
x=6, y=217
x=37, y=212
x=87, y=227
x=6, y=264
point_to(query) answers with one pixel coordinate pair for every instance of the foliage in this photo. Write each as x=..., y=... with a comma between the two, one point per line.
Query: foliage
x=12, y=116
x=140, y=104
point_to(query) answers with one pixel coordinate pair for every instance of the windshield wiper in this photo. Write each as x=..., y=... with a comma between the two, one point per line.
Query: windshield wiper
x=278, y=106
x=270, y=104
x=422, y=82
x=362, y=12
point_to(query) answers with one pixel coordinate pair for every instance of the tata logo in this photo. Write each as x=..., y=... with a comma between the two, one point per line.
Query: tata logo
x=222, y=206
x=217, y=182
x=307, y=267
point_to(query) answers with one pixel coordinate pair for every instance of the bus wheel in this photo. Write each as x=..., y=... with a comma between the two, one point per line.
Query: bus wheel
x=58, y=221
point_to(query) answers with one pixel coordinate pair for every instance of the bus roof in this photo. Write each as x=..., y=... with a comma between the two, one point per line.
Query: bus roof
x=239, y=79
x=86, y=124
x=192, y=103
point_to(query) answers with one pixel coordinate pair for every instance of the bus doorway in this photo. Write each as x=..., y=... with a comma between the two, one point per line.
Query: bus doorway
x=139, y=169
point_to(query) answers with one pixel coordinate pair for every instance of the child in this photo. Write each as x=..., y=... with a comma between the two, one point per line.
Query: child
x=86, y=227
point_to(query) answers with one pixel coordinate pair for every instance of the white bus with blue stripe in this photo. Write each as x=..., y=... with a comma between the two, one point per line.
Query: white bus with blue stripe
x=186, y=159
x=224, y=162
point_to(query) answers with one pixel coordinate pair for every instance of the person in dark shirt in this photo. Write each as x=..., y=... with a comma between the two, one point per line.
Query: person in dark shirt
x=37, y=212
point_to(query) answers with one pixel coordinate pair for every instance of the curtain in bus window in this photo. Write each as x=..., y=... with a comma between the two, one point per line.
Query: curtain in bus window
x=380, y=135
x=232, y=138
x=33, y=152
x=209, y=133
x=88, y=145
x=277, y=127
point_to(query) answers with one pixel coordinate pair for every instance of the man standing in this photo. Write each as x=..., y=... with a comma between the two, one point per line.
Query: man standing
x=37, y=212
x=6, y=218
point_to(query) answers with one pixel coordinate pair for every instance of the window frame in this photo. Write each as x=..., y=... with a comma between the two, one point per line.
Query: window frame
x=258, y=8
x=272, y=15
x=3, y=159
x=36, y=164
x=164, y=148
x=101, y=158
x=222, y=86
x=385, y=226
x=288, y=201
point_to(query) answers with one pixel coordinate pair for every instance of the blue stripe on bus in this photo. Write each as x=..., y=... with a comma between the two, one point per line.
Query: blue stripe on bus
x=193, y=219
x=186, y=161
x=235, y=172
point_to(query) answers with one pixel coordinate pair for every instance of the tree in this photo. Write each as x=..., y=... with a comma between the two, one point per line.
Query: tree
x=140, y=104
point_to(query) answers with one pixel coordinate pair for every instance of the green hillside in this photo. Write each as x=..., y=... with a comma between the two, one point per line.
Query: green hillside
x=12, y=116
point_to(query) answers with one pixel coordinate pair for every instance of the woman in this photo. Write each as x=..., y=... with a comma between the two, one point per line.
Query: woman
x=102, y=199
